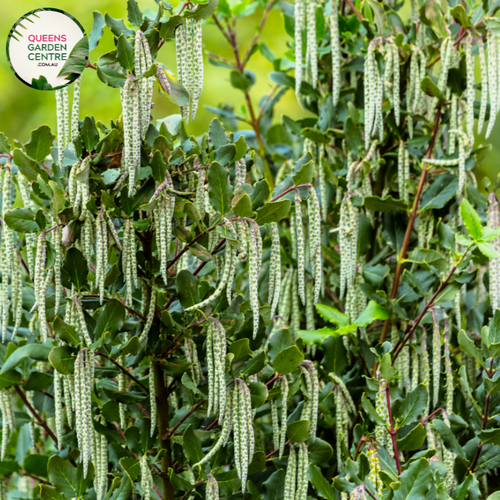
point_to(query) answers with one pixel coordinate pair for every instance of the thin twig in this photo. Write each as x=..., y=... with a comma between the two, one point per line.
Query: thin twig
x=392, y=431
x=39, y=420
x=411, y=222
x=183, y=419
x=123, y=370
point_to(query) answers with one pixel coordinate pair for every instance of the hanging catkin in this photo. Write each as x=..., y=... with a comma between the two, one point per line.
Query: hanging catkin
x=300, y=247
x=494, y=264
x=216, y=365
x=336, y=54
x=243, y=435
x=84, y=381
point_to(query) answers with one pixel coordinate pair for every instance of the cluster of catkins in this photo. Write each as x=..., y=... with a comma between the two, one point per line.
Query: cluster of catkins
x=279, y=433
x=305, y=21
x=8, y=419
x=305, y=240
x=296, y=479
x=343, y=406
x=494, y=265
x=378, y=85
x=189, y=52
x=67, y=128
x=238, y=418
x=11, y=263
x=136, y=97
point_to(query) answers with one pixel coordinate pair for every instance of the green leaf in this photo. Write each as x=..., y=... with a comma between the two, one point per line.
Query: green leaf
x=440, y=193
x=89, y=133
x=27, y=166
x=65, y=332
x=370, y=410
x=449, y=439
x=134, y=14
x=255, y=364
x=187, y=289
x=40, y=352
x=372, y=312
x=323, y=488
x=133, y=346
x=258, y=393
x=36, y=464
x=471, y=220
x=488, y=250
x=178, y=94
x=49, y=493
x=467, y=345
x=460, y=15
x=217, y=134
x=110, y=319
x=21, y=220
x=318, y=336
x=125, y=53
x=490, y=436
x=413, y=406
x=110, y=71
x=384, y=204
x=278, y=342
x=38, y=147
x=332, y=315
x=241, y=349
x=305, y=174
x=298, y=431
x=228, y=482
x=62, y=359
x=375, y=275
x=10, y=378
x=218, y=188
x=288, y=360
x=192, y=445
x=243, y=205
x=273, y=487
x=319, y=451
x=430, y=88
x=8, y=467
x=241, y=81
x=413, y=440
x=416, y=481
x=273, y=211
x=117, y=26
x=493, y=24
x=203, y=11
x=97, y=30
x=77, y=59
x=76, y=269
x=63, y=476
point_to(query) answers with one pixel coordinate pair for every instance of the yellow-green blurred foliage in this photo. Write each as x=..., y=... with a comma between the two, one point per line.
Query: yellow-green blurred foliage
x=23, y=109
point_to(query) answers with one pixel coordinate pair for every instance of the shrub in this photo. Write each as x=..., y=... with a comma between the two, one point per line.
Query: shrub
x=301, y=308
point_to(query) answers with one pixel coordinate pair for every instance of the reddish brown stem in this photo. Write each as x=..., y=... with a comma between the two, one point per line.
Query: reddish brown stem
x=39, y=420
x=183, y=419
x=353, y=7
x=411, y=222
x=392, y=431
x=432, y=415
x=123, y=370
x=293, y=188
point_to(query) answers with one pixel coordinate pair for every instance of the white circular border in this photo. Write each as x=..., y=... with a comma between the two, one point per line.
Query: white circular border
x=39, y=22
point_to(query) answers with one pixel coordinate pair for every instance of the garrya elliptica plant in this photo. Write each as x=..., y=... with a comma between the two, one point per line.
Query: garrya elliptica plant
x=279, y=308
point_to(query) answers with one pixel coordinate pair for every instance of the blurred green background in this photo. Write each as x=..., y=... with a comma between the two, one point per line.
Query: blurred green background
x=23, y=108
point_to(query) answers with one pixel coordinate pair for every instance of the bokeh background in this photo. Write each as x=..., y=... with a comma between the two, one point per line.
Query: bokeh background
x=23, y=108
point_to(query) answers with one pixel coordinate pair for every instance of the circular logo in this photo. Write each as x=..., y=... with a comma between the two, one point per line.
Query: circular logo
x=47, y=49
